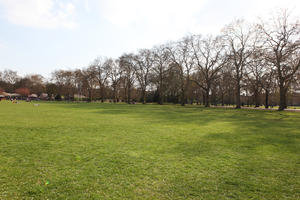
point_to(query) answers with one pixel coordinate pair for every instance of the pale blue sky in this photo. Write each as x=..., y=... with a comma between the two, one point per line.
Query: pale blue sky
x=39, y=36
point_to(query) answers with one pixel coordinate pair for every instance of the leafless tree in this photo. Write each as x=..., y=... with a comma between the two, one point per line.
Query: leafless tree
x=78, y=83
x=255, y=71
x=89, y=81
x=64, y=79
x=210, y=57
x=268, y=84
x=160, y=68
x=10, y=76
x=8, y=79
x=225, y=83
x=126, y=64
x=101, y=68
x=241, y=41
x=282, y=47
x=182, y=59
x=35, y=83
x=115, y=75
x=143, y=66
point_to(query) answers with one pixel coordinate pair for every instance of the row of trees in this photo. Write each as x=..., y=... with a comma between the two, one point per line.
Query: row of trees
x=10, y=81
x=256, y=60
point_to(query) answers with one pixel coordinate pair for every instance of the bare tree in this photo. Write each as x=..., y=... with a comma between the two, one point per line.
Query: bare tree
x=89, y=81
x=160, y=69
x=282, y=49
x=8, y=79
x=78, y=83
x=65, y=82
x=182, y=59
x=126, y=64
x=35, y=83
x=10, y=76
x=101, y=68
x=225, y=83
x=143, y=66
x=115, y=75
x=241, y=41
x=58, y=78
x=210, y=57
x=268, y=84
x=256, y=69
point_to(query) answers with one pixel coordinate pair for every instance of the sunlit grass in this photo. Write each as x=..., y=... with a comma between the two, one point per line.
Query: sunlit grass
x=107, y=151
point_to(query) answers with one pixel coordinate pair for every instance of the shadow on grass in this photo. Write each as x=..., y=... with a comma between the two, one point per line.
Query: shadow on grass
x=251, y=129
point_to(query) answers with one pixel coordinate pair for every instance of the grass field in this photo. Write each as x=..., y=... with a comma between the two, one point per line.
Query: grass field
x=106, y=151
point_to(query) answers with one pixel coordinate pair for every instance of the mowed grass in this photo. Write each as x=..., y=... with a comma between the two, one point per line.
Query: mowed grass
x=107, y=151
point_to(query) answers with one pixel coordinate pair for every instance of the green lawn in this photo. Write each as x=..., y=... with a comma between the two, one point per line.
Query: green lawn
x=106, y=151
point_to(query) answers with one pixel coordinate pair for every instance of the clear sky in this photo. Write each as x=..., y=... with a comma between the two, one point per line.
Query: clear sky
x=39, y=36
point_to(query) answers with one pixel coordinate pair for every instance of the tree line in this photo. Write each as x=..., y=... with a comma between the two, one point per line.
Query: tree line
x=260, y=61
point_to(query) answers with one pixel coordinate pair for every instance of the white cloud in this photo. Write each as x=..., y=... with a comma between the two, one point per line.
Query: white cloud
x=39, y=13
x=183, y=15
x=218, y=13
x=144, y=23
x=172, y=17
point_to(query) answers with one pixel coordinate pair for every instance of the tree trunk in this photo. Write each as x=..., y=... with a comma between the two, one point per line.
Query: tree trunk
x=187, y=90
x=115, y=94
x=207, y=104
x=213, y=98
x=182, y=100
x=198, y=98
x=144, y=96
x=160, y=96
x=102, y=94
x=90, y=95
x=238, y=95
x=160, y=91
x=222, y=99
x=182, y=97
x=204, y=99
x=256, y=98
x=128, y=94
x=125, y=98
x=282, y=100
x=267, y=99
